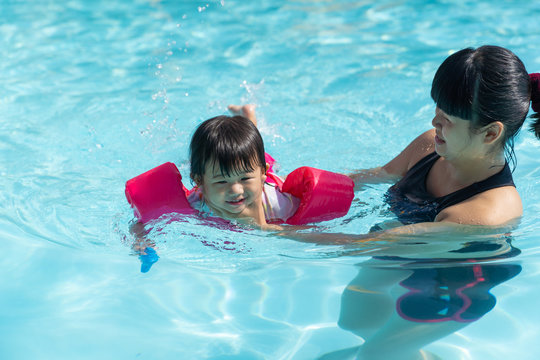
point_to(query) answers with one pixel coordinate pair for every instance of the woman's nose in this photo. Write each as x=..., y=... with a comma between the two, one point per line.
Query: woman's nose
x=435, y=121
x=437, y=118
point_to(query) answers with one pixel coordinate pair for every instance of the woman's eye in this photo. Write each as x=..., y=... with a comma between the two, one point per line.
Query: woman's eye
x=221, y=182
x=246, y=178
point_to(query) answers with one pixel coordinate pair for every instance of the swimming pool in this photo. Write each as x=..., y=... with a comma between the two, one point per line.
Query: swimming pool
x=93, y=93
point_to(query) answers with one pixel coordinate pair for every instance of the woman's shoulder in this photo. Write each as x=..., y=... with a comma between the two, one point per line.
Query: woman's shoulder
x=491, y=207
x=423, y=145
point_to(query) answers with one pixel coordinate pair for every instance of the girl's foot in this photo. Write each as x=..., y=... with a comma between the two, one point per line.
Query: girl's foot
x=247, y=111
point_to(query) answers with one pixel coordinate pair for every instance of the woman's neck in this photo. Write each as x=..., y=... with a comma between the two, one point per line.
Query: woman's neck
x=466, y=171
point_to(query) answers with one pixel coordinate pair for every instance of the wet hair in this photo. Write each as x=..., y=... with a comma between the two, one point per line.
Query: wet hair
x=485, y=85
x=535, y=103
x=231, y=142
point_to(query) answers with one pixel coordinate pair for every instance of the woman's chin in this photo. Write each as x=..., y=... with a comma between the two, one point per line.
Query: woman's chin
x=439, y=149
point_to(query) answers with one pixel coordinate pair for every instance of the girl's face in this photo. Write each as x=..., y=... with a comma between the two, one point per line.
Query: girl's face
x=454, y=138
x=234, y=196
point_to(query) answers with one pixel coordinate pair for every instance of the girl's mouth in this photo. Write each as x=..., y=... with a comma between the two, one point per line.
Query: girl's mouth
x=236, y=202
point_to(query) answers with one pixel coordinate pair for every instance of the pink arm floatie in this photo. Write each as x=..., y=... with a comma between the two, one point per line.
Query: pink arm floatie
x=156, y=192
x=323, y=195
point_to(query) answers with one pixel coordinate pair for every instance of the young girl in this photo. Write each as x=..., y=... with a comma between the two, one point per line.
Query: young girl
x=233, y=180
x=228, y=166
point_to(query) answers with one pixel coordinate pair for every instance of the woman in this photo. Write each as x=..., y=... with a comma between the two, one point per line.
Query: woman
x=457, y=172
x=418, y=289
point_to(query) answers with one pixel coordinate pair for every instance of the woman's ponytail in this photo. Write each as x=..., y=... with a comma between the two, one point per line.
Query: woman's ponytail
x=535, y=103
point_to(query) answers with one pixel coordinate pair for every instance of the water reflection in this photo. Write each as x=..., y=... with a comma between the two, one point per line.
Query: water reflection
x=399, y=305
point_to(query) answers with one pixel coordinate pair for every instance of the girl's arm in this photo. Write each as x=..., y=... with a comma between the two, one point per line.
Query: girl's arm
x=143, y=246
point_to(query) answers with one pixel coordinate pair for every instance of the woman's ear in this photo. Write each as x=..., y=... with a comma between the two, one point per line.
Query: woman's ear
x=493, y=132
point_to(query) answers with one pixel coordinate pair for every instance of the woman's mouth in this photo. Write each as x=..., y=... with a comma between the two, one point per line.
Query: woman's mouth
x=438, y=140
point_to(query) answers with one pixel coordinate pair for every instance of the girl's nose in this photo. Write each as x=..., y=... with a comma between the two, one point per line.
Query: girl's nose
x=236, y=188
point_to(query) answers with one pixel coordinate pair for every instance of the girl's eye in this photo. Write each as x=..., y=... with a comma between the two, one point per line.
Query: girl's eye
x=246, y=178
x=221, y=182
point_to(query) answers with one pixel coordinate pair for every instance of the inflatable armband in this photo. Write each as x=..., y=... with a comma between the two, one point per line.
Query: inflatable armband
x=271, y=177
x=323, y=195
x=158, y=191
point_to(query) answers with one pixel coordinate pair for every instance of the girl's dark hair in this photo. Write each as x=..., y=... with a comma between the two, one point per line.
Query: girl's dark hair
x=232, y=142
x=485, y=85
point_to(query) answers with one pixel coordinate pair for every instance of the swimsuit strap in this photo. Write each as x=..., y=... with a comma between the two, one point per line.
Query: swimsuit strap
x=414, y=183
x=500, y=179
x=410, y=200
x=417, y=175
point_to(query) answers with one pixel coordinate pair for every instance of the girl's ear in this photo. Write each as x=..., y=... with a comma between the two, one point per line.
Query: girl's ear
x=197, y=180
x=493, y=132
x=264, y=171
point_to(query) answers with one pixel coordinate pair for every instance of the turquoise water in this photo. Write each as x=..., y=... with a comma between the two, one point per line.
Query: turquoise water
x=93, y=93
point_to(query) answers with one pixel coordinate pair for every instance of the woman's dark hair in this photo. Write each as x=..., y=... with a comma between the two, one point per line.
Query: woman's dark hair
x=485, y=85
x=535, y=103
x=232, y=142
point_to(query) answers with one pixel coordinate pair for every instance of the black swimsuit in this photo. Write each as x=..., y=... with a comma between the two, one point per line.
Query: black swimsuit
x=412, y=203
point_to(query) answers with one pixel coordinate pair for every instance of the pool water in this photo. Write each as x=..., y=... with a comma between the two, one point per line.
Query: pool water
x=93, y=93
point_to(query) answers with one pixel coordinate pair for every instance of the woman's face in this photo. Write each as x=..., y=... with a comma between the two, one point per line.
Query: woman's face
x=454, y=137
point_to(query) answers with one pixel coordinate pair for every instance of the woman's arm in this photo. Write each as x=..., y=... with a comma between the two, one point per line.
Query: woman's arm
x=373, y=237
x=376, y=175
x=483, y=217
x=424, y=240
x=397, y=167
